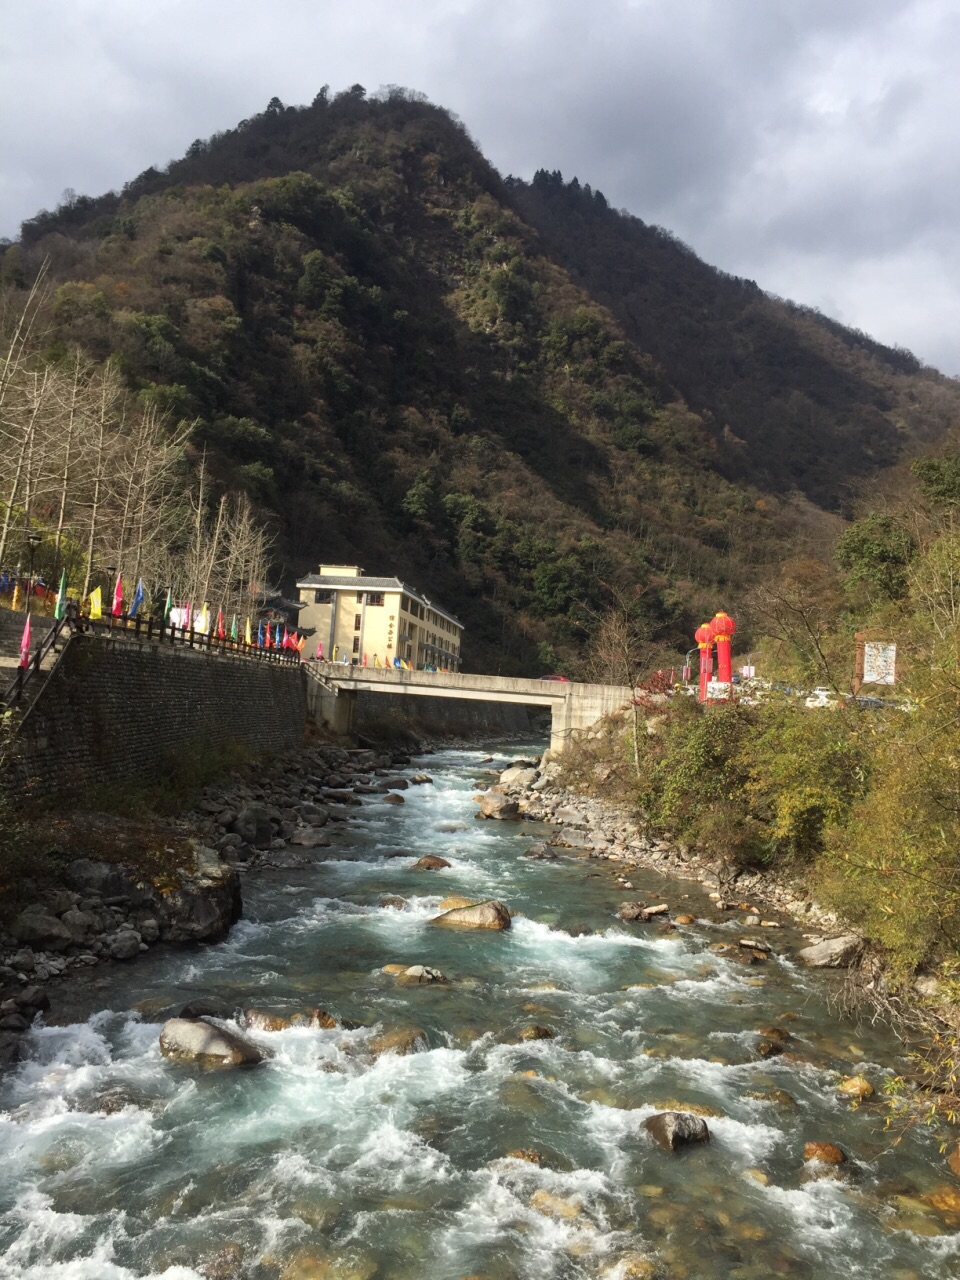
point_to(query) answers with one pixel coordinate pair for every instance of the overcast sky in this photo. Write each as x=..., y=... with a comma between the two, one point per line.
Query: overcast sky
x=809, y=144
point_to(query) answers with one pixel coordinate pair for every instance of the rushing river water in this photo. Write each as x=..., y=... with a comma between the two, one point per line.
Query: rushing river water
x=117, y=1163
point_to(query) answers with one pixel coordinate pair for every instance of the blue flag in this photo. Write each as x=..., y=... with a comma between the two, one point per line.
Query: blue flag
x=138, y=598
x=260, y=634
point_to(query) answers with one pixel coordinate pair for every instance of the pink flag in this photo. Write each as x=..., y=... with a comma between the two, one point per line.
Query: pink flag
x=364, y=659
x=25, y=644
x=320, y=649
x=118, y=598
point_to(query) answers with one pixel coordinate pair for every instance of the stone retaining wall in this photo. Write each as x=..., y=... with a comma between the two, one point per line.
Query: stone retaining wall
x=116, y=711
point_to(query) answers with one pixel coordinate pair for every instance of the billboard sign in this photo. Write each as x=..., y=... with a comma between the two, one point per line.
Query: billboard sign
x=879, y=662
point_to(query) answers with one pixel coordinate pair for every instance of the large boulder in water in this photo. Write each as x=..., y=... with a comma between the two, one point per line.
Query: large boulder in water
x=430, y=862
x=403, y=1040
x=197, y=1040
x=672, y=1129
x=501, y=807
x=485, y=915
x=833, y=953
x=518, y=776
x=202, y=909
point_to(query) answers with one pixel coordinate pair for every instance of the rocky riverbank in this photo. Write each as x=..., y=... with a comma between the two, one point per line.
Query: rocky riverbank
x=607, y=831
x=111, y=904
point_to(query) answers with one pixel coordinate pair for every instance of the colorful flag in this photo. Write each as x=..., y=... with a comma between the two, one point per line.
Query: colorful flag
x=118, y=598
x=260, y=634
x=336, y=652
x=286, y=639
x=96, y=604
x=376, y=661
x=364, y=659
x=61, y=607
x=25, y=644
x=168, y=607
x=301, y=644
x=268, y=640
x=247, y=634
x=136, y=604
x=221, y=630
x=320, y=650
x=233, y=629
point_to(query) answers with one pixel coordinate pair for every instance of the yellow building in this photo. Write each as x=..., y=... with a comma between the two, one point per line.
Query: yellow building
x=377, y=619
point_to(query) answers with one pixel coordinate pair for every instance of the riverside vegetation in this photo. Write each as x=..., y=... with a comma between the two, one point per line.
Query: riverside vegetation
x=858, y=801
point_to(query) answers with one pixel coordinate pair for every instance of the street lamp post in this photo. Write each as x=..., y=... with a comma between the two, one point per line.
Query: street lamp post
x=33, y=541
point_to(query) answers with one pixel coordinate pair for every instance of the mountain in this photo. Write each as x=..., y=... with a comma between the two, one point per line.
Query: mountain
x=508, y=393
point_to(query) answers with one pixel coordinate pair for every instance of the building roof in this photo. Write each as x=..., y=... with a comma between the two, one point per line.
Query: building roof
x=332, y=583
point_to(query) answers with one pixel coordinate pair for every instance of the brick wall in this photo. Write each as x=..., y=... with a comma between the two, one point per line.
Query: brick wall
x=114, y=709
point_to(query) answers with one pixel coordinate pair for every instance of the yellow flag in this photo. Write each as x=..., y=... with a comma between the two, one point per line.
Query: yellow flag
x=96, y=603
x=247, y=634
x=17, y=603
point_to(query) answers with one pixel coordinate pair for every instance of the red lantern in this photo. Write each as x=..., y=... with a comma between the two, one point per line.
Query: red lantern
x=704, y=638
x=722, y=629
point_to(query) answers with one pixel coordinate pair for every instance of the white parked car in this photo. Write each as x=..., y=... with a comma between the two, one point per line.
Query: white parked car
x=821, y=697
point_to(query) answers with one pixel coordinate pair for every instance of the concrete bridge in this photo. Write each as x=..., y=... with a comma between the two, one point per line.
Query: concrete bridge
x=332, y=694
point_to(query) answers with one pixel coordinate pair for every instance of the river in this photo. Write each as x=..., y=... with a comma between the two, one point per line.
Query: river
x=118, y=1163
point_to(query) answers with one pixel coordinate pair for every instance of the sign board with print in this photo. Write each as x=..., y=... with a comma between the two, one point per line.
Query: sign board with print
x=879, y=662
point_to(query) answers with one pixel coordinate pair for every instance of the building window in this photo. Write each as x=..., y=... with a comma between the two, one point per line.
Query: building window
x=356, y=644
x=359, y=597
x=375, y=599
x=357, y=618
x=322, y=597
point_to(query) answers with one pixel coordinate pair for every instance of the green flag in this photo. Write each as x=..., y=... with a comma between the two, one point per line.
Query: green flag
x=233, y=628
x=61, y=609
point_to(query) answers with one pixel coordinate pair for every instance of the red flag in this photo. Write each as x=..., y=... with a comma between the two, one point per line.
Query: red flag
x=364, y=659
x=221, y=632
x=25, y=644
x=118, y=598
x=286, y=639
x=267, y=645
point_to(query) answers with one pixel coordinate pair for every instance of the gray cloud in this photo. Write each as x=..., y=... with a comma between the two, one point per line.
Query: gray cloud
x=810, y=145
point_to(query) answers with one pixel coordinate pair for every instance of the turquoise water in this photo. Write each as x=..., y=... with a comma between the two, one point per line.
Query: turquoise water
x=117, y=1163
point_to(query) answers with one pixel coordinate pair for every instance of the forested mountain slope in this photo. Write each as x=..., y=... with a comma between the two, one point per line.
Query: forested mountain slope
x=510, y=394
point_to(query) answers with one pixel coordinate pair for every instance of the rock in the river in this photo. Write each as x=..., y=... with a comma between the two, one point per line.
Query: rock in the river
x=197, y=1040
x=430, y=862
x=833, y=953
x=857, y=1087
x=202, y=910
x=455, y=900
x=253, y=825
x=45, y=932
x=518, y=776
x=419, y=975
x=535, y=1032
x=226, y=1264
x=953, y=1160
x=555, y=1206
x=393, y=798
x=495, y=805
x=403, y=1040
x=125, y=945
x=825, y=1152
x=262, y=1020
x=540, y=850
x=485, y=915
x=672, y=1129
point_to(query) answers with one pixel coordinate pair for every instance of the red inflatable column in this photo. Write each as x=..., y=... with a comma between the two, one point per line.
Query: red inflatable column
x=704, y=639
x=722, y=628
